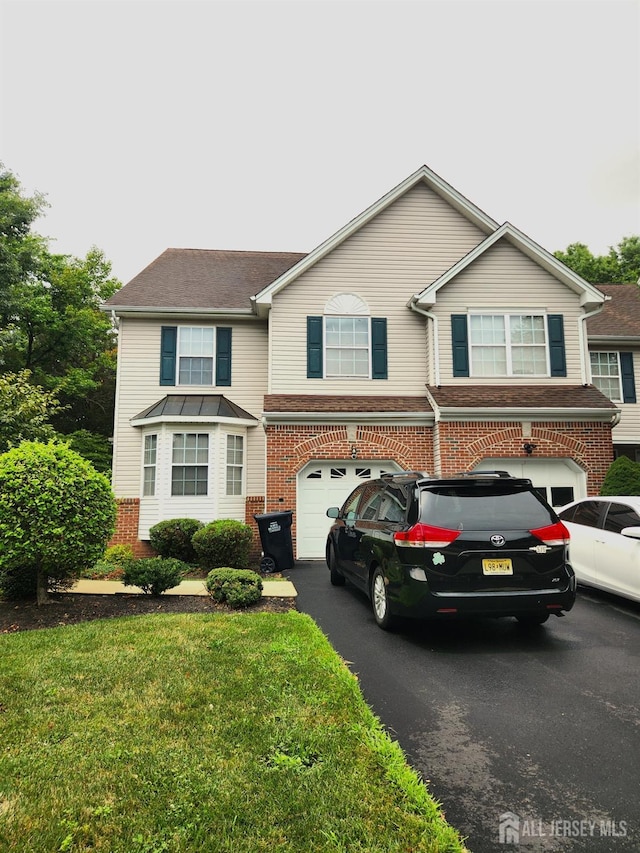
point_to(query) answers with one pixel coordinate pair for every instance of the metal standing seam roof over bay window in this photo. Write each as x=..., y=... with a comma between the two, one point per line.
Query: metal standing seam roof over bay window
x=194, y=408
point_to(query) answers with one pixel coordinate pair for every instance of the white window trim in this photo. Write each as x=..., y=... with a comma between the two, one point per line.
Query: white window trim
x=326, y=348
x=179, y=384
x=506, y=315
x=174, y=465
x=620, y=397
x=148, y=466
x=242, y=466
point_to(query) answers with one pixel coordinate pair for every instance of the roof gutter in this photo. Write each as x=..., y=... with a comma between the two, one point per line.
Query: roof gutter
x=150, y=310
x=519, y=413
x=407, y=418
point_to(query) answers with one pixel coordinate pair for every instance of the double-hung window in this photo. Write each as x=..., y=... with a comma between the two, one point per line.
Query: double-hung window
x=195, y=356
x=149, y=465
x=190, y=464
x=347, y=346
x=346, y=343
x=606, y=374
x=235, y=464
x=508, y=345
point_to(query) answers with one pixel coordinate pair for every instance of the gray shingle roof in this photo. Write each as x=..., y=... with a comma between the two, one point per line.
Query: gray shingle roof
x=203, y=278
x=520, y=396
x=620, y=317
x=336, y=403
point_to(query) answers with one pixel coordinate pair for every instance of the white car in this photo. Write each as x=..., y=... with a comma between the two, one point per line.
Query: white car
x=604, y=548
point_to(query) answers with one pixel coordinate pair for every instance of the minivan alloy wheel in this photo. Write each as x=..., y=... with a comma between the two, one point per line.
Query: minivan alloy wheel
x=379, y=599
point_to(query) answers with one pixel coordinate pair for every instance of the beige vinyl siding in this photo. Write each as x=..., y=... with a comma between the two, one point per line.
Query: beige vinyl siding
x=139, y=387
x=628, y=430
x=506, y=281
x=386, y=262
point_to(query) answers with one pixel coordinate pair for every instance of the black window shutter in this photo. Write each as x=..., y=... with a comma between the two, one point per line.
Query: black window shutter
x=628, y=381
x=168, y=350
x=460, y=344
x=378, y=348
x=223, y=356
x=314, y=347
x=557, y=360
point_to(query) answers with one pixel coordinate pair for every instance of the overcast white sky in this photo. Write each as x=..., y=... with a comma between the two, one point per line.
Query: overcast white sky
x=268, y=125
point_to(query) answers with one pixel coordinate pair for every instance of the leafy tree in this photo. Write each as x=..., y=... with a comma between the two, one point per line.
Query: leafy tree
x=96, y=448
x=622, y=478
x=622, y=264
x=50, y=322
x=56, y=514
x=57, y=331
x=20, y=251
x=25, y=410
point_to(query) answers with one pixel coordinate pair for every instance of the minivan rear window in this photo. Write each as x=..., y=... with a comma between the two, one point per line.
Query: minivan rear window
x=464, y=508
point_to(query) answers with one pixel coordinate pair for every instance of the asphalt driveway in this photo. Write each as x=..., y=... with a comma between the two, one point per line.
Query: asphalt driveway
x=531, y=738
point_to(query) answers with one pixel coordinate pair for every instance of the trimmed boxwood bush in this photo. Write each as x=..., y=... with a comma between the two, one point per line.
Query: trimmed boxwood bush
x=154, y=575
x=622, y=478
x=235, y=587
x=225, y=542
x=172, y=538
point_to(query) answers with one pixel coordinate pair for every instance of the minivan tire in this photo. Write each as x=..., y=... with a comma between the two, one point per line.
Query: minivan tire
x=337, y=579
x=380, y=600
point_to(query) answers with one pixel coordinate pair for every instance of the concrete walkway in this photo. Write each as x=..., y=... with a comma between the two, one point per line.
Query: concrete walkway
x=270, y=589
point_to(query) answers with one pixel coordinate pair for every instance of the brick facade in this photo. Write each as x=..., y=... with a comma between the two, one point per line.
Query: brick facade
x=291, y=447
x=463, y=445
x=448, y=448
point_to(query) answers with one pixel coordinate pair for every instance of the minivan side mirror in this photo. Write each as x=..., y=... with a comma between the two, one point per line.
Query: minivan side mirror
x=333, y=512
x=631, y=532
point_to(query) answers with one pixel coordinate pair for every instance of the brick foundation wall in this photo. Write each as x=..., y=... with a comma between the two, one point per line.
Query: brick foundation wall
x=291, y=447
x=126, y=532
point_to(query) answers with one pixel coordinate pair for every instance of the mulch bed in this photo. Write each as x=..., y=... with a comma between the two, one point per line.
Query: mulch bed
x=70, y=608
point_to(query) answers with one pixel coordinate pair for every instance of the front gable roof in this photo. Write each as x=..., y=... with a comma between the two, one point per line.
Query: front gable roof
x=590, y=297
x=424, y=175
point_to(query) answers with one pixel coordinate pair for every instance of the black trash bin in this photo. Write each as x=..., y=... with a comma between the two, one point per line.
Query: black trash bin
x=275, y=536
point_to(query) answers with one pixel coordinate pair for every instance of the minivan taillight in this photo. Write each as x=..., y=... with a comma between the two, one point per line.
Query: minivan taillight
x=553, y=534
x=425, y=536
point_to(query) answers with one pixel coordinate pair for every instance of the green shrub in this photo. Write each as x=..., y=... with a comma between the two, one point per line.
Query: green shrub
x=154, y=575
x=622, y=478
x=172, y=538
x=236, y=587
x=56, y=515
x=119, y=555
x=225, y=542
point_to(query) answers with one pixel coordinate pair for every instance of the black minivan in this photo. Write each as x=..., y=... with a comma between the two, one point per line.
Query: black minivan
x=477, y=544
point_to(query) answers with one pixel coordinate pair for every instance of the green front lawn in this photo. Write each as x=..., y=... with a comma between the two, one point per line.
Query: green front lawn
x=195, y=732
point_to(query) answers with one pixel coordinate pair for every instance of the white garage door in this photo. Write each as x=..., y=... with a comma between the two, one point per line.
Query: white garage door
x=323, y=484
x=559, y=480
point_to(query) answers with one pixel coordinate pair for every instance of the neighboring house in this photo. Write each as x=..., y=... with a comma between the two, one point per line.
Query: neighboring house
x=614, y=351
x=422, y=335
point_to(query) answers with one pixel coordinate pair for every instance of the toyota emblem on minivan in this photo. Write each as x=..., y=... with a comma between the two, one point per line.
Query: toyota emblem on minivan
x=497, y=540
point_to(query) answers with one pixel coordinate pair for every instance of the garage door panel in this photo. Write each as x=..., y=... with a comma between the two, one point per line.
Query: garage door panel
x=558, y=480
x=322, y=484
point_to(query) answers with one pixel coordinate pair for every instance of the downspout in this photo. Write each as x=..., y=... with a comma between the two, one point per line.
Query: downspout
x=615, y=420
x=436, y=353
x=584, y=348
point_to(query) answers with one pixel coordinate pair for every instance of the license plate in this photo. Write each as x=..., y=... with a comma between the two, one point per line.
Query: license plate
x=497, y=567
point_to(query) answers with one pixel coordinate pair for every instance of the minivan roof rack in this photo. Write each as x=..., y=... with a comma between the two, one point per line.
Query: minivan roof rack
x=499, y=474
x=408, y=475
